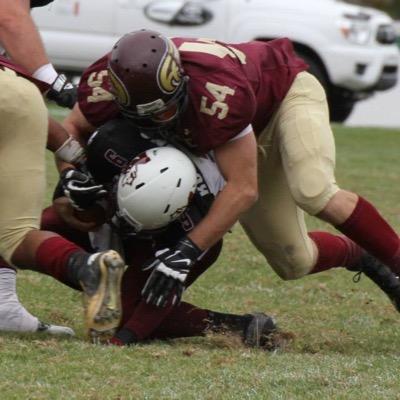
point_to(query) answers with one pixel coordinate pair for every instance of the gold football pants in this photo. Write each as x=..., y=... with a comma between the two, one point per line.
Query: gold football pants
x=23, y=136
x=296, y=162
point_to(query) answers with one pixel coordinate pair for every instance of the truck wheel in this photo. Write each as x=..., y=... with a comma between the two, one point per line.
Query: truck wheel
x=340, y=106
x=315, y=68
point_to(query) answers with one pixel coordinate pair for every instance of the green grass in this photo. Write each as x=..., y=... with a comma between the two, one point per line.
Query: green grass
x=346, y=335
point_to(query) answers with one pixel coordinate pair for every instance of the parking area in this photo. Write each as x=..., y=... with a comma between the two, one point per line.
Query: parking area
x=381, y=110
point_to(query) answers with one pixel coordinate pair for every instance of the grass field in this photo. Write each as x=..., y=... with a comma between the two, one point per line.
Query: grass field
x=346, y=335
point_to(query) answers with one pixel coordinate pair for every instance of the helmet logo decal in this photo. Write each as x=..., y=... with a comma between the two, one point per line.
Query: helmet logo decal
x=169, y=75
x=130, y=169
x=118, y=88
x=115, y=159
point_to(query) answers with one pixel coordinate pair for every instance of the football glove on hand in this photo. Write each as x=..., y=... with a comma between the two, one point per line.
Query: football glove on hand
x=170, y=268
x=81, y=189
x=64, y=93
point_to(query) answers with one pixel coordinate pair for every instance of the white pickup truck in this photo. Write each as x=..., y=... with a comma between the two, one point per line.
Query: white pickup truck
x=351, y=49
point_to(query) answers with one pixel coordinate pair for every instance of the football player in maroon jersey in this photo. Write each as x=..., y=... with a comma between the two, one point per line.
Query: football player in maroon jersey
x=267, y=121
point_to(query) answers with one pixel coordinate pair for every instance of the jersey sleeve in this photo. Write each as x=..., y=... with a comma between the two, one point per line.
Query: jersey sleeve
x=20, y=71
x=94, y=96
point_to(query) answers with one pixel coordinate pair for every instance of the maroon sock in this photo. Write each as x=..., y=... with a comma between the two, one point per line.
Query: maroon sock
x=132, y=284
x=334, y=251
x=368, y=229
x=145, y=319
x=51, y=221
x=185, y=320
x=52, y=258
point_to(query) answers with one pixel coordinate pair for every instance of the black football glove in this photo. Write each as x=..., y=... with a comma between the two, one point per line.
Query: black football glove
x=170, y=269
x=81, y=189
x=64, y=93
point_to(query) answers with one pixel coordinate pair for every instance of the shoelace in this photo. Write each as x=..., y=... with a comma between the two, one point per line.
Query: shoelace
x=357, y=277
x=42, y=327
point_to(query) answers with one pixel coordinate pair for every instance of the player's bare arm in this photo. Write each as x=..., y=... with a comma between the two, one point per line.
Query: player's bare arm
x=237, y=161
x=77, y=125
x=19, y=35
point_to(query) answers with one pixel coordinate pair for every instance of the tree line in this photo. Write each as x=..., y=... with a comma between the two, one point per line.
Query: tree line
x=390, y=6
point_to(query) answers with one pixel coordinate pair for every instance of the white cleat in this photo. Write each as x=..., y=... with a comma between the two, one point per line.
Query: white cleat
x=56, y=330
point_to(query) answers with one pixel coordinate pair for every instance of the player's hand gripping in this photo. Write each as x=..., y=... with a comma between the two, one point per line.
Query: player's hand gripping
x=81, y=189
x=170, y=268
x=63, y=92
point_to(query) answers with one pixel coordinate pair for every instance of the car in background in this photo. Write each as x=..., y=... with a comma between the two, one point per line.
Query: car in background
x=351, y=49
x=397, y=27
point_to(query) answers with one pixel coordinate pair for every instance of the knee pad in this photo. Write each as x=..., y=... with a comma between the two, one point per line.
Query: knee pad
x=289, y=263
x=312, y=190
x=10, y=238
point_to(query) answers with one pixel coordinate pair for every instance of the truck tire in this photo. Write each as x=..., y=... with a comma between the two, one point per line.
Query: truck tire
x=340, y=105
x=315, y=68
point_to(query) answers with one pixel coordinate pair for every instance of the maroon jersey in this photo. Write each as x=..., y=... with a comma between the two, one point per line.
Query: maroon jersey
x=230, y=87
x=7, y=63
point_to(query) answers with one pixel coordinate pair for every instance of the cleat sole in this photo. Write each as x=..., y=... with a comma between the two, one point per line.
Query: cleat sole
x=103, y=309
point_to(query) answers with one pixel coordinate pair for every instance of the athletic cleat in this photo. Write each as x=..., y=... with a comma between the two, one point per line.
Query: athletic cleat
x=56, y=330
x=260, y=332
x=101, y=282
x=382, y=276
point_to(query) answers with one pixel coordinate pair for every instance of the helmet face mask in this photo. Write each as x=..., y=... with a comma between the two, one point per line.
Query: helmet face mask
x=147, y=79
x=164, y=116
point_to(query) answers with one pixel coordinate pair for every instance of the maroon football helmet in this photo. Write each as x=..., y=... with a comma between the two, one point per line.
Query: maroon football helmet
x=147, y=78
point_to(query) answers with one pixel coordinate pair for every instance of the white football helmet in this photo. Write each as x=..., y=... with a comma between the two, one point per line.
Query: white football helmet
x=156, y=188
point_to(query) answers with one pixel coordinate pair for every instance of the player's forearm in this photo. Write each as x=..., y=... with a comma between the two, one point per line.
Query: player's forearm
x=224, y=213
x=20, y=37
x=65, y=147
x=77, y=125
x=237, y=162
x=57, y=135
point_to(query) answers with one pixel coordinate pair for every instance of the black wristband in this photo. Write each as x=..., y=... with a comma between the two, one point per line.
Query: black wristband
x=188, y=249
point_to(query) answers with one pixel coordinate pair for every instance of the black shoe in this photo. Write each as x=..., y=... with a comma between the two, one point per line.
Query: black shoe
x=124, y=337
x=382, y=276
x=260, y=332
x=100, y=279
